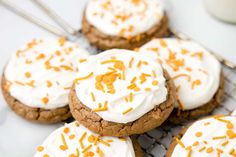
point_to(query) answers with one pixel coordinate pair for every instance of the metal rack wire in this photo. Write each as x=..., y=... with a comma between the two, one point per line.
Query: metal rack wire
x=154, y=143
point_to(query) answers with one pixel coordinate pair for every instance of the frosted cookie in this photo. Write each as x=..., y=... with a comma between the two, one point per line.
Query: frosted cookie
x=38, y=77
x=210, y=137
x=123, y=23
x=74, y=140
x=119, y=92
x=195, y=72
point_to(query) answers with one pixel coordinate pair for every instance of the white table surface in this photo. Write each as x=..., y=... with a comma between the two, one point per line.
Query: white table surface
x=19, y=137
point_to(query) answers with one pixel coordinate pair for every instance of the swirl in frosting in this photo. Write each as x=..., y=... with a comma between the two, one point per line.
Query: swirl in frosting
x=120, y=85
x=41, y=73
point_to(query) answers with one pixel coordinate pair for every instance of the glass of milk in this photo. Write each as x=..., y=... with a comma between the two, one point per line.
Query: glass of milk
x=222, y=9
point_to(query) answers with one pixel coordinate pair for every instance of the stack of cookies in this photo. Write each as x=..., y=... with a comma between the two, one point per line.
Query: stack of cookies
x=118, y=92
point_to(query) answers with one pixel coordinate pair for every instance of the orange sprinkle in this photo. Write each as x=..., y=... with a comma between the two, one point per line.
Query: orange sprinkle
x=72, y=136
x=182, y=75
x=139, y=64
x=40, y=56
x=91, y=138
x=230, y=125
x=66, y=130
x=184, y=51
x=99, y=151
x=93, y=97
x=188, y=69
x=89, y=154
x=58, y=53
x=163, y=43
x=133, y=80
x=81, y=139
x=68, y=68
x=104, y=108
x=131, y=62
x=104, y=142
x=147, y=89
x=209, y=150
x=197, y=54
x=136, y=49
x=154, y=74
x=67, y=88
x=155, y=49
x=19, y=83
x=27, y=74
x=219, y=151
x=45, y=100
x=64, y=145
x=218, y=137
x=230, y=134
x=207, y=123
x=131, y=97
x=28, y=61
x=49, y=84
x=87, y=148
x=31, y=83
x=62, y=59
x=45, y=155
x=155, y=83
x=40, y=148
x=61, y=41
x=109, y=61
x=73, y=155
x=180, y=142
x=196, y=143
x=189, y=153
x=225, y=143
x=82, y=60
x=85, y=77
x=126, y=99
x=127, y=111
x=196, y=82
x=198, y=134
x=202, y=149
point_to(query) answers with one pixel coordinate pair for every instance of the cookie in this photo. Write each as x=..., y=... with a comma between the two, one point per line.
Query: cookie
x=74, y=140
x=196, y=73
x=119, y=93
x=213, y=136
x=38, y=77
x=123, y=24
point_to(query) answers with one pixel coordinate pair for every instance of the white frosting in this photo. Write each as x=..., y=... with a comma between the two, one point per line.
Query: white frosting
x=50, y=81
x=120, y=97
x=124, y=17
x=191, y=59
x=73, y=144
x=219, y=134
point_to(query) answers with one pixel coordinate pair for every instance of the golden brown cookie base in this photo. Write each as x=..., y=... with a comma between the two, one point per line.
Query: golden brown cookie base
x=179, y=116
x=174, y=142
x=35, y=114
x=104, y=42
x=150, y=120
x=137, y=149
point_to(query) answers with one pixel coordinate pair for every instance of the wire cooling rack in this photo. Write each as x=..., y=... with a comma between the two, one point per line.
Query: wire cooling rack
x=156, y=142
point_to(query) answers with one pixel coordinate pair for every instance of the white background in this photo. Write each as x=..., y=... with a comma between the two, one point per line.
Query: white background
x=19, y=137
